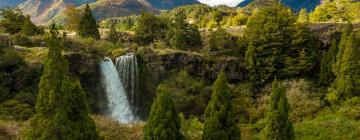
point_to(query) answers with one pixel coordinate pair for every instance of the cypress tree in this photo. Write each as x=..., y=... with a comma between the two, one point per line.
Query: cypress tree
x=328, y=59
x=61, y=109
x=279, y=127
x=113, y=35
x=164, y=122
x=220, y=122
x=87, y=26
x=347, y=82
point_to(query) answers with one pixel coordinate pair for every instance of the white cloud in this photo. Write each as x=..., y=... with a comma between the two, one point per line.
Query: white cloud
x=231, y=3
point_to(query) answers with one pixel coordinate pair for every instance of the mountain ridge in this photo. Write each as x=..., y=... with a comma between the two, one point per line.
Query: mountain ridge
x=295, y=5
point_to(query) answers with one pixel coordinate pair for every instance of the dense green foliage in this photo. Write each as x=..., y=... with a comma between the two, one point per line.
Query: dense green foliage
x=347, y=82
x=336, y=11
x=17, y=86
x=303, y=16
x=163, y=122
x=182, y=35
x=13, y=21
x=87, y=26
x=188, y=94
x=328, y=59
x=221, y=40
x=28, y=28
x=278, y=45
x=149, y=28
x=220, y=121
x=61, y=108
x=279, y=127
x=113, y=35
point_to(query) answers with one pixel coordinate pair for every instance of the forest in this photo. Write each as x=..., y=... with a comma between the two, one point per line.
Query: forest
x=194, y=72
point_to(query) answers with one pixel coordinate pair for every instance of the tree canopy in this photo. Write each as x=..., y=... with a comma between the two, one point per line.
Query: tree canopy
x=164, y=122
x=61, y=108
x=220, y=121
x=87, y=26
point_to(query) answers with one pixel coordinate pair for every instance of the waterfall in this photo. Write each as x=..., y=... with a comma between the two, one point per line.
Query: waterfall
x=128, y=71
x=119, y=106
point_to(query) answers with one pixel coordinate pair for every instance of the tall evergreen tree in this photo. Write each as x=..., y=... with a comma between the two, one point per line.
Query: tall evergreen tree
x=327, y=60
x=87, y=26
x=347, y=82
x=61, y=109
x=220, y=121
x=341, y=48
x=28, y=28
x=279, y=127
x=164, y=122
x=182, y=35
x=269, y=32
x=303, y=17
x=281, y=47
x=149, y=28
x=113, y=35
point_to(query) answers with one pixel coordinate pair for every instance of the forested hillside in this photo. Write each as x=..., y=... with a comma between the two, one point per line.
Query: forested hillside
x=195, y=72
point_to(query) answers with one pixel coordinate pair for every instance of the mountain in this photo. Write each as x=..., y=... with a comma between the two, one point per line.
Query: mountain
x=296, y=5
x=103, y=9
x=43, y=11
x=10, y=3
x=168, y=4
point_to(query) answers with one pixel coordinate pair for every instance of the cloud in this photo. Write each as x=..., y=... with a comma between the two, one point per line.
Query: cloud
x=231, y=3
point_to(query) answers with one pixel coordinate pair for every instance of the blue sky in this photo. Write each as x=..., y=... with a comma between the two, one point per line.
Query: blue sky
x=231, y=3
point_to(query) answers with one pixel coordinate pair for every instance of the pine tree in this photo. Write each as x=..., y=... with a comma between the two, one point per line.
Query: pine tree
x=87, y=26
x=328, y=59
x=279, y=127
x=269, y=31
x=113, y=35
x=341, y=48
x=149, y=28
x=220, y=121
x=347, y=82
x=303, y=17
x=164, y=122
x=28, y=28
x=182, y=35
x=61, y=109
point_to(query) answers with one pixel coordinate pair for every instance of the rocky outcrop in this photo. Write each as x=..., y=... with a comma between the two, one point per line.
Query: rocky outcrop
x=196, y=65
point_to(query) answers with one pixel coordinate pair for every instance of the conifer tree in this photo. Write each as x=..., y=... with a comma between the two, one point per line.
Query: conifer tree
x=328, y=59
x=87, y=26
x=341, y=48
x=268, y=31
x=303, y=17
x=28, y=28
x=164, y=122
x=220, y=121
x=182, y=35
x=279, y=127
x=347, y=82
x=61, y=109
x=113, y=35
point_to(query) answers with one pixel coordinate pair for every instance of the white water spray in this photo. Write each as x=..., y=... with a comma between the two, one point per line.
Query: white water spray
x=128, y=72
x=118, y=105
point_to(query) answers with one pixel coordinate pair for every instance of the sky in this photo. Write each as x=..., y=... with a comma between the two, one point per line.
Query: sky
x=231, y=3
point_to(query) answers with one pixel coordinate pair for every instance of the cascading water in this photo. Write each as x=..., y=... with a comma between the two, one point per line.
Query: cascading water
x=119, y=105
x=128, y=71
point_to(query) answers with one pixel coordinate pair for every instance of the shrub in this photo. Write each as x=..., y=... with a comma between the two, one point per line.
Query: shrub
x=112, y=130
x=21, y=40
x=328, y=127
